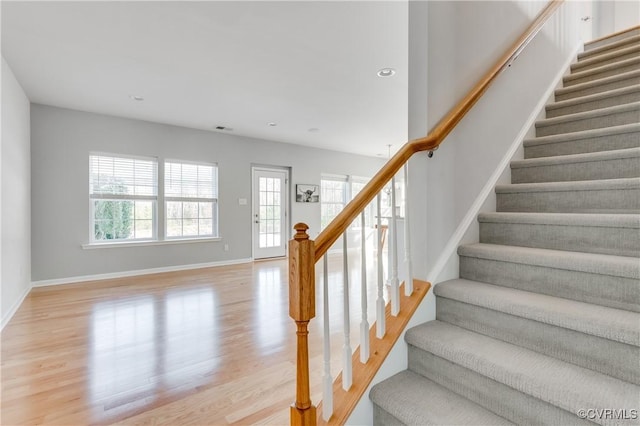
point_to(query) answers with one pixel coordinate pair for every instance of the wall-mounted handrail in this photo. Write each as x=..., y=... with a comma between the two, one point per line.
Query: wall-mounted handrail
x=430, y=142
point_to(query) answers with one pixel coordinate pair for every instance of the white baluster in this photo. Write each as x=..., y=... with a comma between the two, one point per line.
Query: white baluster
x=364, y=324
x=346, y=348
x=389, y=251
x=408, y=285
x=327, y=394
x=380, y=320
x=393, y=247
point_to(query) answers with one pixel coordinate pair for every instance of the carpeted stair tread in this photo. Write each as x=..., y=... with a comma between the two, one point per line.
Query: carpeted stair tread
x=612, y=38
x=589, y=157
x=615, y=164
x=415, y=400
x=635, y=39
x=633, y=106
x=588, y=134
x=613, y=324
x=550, y=325
x=556, y=382
x=603, y=117
x=617, y=266
x=583, y=134
x=606, y=280
x=599, y=85
x=587, y=185
x=569, y=219
x=607, y=57
x=578, y=196
x=602, y=71
x=615, y=234
x=592, y=101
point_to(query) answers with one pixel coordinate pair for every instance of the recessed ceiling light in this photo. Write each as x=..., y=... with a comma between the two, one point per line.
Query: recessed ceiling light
x=314, y=130
x=136, y=98
x=272, y=124
x=386, y=72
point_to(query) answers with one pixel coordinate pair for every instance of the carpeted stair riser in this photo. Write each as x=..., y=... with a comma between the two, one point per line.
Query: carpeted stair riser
x=512, y=266
x=613, y=39
x=613, y=116
x=383, y=418
x=598, y=86
x=596, y=353
x=625, y=95
x=604, y=290
x=498, y=398
x=606, y=58
x=584, y=234
x=597, y=73
x=610, y=47
x=621, y=137
x=613, y=325
x=579, y=167
x=514, y=382
x=614, y=196
x=403, y=396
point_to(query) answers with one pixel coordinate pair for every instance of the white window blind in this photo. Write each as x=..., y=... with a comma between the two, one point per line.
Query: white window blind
x=122, y=176
x=191, y=199
x=123, y=194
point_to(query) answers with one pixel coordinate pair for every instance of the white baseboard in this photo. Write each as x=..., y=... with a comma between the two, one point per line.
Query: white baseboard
x=124, y=274
x=7, y=317
x=453, y=243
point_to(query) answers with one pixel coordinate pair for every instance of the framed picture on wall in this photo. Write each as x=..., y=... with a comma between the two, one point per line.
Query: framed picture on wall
x=307, y=193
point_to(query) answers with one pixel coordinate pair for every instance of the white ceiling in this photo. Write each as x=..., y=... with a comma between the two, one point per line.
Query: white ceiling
x=239, y=64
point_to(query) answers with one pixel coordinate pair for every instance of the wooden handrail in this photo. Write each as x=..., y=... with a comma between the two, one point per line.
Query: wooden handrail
x=430, y=142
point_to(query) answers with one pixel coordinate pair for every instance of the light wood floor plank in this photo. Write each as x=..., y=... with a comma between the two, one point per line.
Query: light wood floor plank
x=208, y=346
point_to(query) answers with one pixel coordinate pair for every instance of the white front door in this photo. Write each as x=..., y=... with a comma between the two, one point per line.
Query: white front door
x=270, y=190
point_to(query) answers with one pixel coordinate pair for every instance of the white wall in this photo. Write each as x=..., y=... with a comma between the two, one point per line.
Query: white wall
x=15, y=207
x=613, y=16
x=461, y=48
x=61, y=142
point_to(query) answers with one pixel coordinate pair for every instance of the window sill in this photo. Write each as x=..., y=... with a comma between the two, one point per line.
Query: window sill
x=91, y=246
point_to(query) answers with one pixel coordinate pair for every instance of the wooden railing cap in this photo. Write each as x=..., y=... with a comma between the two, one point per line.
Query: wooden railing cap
x=301, y=231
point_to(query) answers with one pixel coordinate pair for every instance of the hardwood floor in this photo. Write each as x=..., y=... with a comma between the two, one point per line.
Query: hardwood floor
x=210, y=346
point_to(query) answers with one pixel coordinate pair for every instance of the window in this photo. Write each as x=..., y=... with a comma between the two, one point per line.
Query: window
x=123, y=194
x=357, y=185
x=337, y=191
x=271, y=214
x=386, y=199
x=333, y=197
x=191, y=199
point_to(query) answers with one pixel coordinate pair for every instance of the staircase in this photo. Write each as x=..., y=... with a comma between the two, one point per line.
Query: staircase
x=544, y=320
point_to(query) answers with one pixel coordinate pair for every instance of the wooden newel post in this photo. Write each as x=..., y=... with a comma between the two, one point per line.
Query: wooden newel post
x=302, y=307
